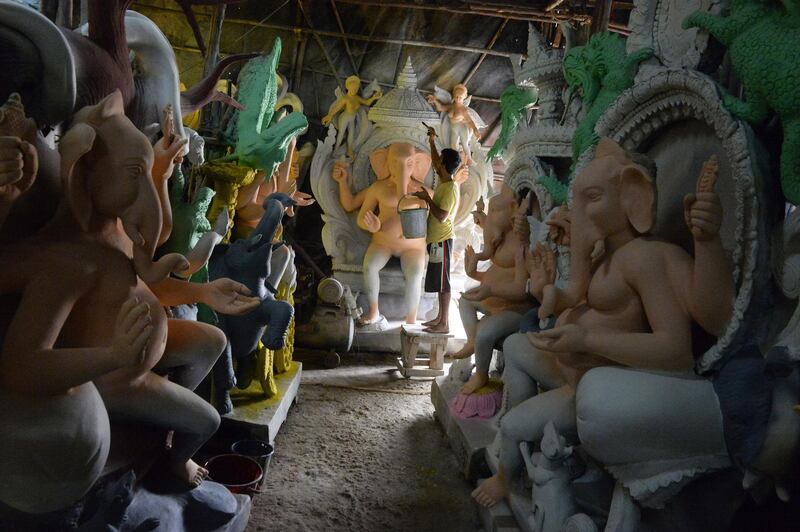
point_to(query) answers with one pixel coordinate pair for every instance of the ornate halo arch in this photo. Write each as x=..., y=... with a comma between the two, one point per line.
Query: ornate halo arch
x=671, y=98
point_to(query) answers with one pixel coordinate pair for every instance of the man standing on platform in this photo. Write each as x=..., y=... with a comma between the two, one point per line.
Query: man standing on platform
x=440, y=234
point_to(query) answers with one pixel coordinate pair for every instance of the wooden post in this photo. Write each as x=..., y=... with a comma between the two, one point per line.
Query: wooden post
x=346, y=43
x=216, y=35
x=321, y=45
x=64, y=14
x=601, y=16
x=210, y=114
x=483, y=56
x=301, y=55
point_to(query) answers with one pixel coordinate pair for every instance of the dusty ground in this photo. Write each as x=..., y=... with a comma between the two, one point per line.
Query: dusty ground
x=359, y=460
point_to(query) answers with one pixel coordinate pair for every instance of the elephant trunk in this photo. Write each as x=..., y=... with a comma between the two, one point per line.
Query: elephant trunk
x=141, y=221
x=587, y=245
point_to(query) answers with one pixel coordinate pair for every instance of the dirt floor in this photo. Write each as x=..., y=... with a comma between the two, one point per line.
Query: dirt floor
x=368, y=459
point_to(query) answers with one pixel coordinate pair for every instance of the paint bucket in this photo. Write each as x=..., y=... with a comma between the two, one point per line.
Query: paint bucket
x=258, y=450
x=240, y=474
x=414, y=220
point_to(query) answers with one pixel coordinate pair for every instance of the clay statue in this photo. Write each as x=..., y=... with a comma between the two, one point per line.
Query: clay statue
x=92, y=310
x=501, y=306
x=405, y=167
x=459, y=122
x=192, y=235
x=250, y=262
x=630, y=299
x=759, y=35
x=118, y=50
x=259, y=141
x=250, y=199
x=599, y=71
x=514, y=105
x=553, y=501
x=112, y=514
x=19, y=161
x=349, y=108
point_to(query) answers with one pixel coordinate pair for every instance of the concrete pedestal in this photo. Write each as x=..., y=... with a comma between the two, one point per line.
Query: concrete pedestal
x=263, y=417
x=468, y=437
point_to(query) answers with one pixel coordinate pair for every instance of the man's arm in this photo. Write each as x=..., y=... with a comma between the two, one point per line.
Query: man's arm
x=440, y=213
x=436, y=159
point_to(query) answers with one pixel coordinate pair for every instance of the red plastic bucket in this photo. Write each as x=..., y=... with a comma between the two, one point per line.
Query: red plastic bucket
x=240, y=474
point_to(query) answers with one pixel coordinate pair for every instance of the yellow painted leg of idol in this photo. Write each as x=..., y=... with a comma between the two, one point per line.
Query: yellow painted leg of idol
x=264, y=371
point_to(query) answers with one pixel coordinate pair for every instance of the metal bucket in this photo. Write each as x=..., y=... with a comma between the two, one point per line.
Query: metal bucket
x=258, y=450
x=414, y=220
x=238, y=473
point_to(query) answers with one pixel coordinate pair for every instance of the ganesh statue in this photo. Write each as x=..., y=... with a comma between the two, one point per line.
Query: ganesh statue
x=497, y=297
x=400, y=169
x=89, y=341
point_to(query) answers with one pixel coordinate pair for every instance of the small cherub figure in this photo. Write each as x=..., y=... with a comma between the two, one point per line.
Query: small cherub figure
x=349, y=104
x=458, y=120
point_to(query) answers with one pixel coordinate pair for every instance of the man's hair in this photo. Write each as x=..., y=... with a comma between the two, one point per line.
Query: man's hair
x=451, y=160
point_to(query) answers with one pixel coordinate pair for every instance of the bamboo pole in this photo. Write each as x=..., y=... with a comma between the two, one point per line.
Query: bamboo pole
x=487, y=10
x=317, y=38
x=359, y=37
x=489, y=46
x=346, y=42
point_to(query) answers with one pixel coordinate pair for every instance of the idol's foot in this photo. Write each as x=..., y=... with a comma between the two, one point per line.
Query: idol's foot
x=191, y=472
x=490, y=491
x=465, y=352
x=476, y=381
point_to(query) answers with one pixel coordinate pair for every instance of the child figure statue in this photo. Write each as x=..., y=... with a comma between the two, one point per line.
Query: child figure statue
x=459, y=122
x=349, y=105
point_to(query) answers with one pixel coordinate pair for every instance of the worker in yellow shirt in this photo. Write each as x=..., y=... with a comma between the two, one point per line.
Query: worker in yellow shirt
x=443, y=207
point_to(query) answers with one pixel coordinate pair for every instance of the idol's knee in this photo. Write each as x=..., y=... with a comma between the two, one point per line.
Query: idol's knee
x=515, y=347
x=57, y=450
x=208, y=420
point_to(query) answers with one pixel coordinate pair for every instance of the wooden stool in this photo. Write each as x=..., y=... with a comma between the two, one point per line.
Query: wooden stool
x=411, y=337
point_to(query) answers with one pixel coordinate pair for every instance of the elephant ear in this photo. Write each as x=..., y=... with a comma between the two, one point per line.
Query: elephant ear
x=111, y=105
x=422, y=164
x=77, y=142
x=638, y=197
x=379, y=160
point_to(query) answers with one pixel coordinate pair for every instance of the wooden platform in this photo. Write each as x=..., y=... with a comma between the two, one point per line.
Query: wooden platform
x=410, y=363
x=260, y=416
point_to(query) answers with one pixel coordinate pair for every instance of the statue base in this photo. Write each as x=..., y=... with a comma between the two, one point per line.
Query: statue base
x=262, y=417
x=467, y=437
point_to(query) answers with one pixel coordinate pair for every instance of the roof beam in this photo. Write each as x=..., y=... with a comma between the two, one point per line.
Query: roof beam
x=378, y=19
x=317, y=38
x=383, y=40
x=346, y=43
x=601, y=15
x=489, y=46
x=484, y=10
